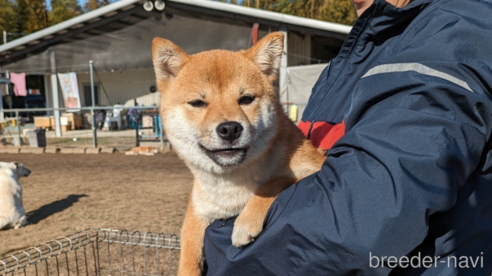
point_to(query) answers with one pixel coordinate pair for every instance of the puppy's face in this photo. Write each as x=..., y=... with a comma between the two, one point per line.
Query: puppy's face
x=21, y=170
x=16, y=167
x=219, y=108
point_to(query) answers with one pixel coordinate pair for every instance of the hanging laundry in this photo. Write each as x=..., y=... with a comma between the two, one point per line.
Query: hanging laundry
x=19, y=81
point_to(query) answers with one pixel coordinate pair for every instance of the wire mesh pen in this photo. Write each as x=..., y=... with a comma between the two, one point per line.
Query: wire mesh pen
x=98, y=252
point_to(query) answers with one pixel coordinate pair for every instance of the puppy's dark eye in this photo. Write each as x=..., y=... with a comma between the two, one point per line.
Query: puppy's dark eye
x=197, y=103
x=246, y=100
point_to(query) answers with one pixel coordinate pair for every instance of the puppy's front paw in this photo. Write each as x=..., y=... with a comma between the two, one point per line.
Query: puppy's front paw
x=246, y=229
x=22, y=222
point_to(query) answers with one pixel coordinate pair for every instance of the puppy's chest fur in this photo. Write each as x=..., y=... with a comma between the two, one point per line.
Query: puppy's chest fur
x=222, y=197
x=10, y=193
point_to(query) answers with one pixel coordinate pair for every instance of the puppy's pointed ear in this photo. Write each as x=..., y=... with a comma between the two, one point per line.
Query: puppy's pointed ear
x=168, y=59
x=267, y=54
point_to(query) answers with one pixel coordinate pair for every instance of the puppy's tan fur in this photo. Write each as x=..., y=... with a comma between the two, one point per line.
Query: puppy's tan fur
x=12, y=213
x=241, y=177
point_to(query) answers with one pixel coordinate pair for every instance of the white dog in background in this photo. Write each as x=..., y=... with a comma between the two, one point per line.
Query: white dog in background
x=12, y=213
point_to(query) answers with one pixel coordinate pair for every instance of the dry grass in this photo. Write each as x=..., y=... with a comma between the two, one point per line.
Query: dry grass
x=68, y=193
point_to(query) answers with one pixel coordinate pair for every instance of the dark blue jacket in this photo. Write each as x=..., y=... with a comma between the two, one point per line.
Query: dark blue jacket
x=411, y=177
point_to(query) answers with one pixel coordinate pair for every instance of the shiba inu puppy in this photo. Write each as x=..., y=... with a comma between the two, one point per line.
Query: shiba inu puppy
x=12, y=213
x=224, y=119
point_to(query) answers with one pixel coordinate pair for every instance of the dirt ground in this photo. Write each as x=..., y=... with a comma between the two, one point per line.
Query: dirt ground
x=69, y=193
x=120, y=143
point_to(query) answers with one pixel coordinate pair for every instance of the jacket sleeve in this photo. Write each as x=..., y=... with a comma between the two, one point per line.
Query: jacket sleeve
x=413, y=138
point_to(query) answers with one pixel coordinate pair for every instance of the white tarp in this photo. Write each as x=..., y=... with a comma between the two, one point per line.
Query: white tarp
x=300, y=82
x=145, y=100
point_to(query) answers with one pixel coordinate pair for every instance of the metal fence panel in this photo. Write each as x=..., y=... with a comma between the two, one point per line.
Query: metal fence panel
x=98, y=252
x=120, y=127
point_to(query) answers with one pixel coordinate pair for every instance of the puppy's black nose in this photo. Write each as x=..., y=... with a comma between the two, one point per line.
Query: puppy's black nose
x=229, y=131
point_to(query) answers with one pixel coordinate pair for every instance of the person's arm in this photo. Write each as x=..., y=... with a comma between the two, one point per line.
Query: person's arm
x=410, y=144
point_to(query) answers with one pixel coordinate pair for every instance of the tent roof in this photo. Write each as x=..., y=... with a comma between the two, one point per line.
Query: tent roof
x=133, y=8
